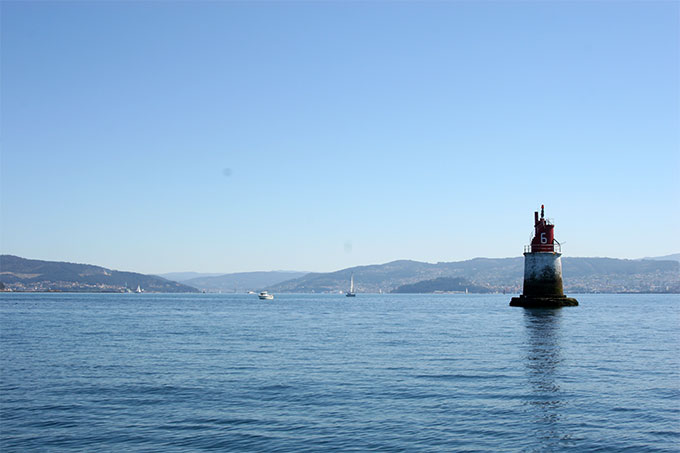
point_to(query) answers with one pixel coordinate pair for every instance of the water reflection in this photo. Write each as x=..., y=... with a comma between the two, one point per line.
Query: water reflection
x=543, y=357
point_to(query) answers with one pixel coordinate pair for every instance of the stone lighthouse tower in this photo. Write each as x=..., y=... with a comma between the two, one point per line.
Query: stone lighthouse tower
x=543, y=269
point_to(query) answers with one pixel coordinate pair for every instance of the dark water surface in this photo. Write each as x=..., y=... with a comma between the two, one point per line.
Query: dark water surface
x=127, y=372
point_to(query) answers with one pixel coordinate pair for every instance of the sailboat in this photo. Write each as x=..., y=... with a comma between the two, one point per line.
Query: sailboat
x=351, y=293
x=138, y=290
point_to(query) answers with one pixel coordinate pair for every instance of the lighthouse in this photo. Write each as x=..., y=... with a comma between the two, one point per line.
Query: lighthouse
x=543, y=269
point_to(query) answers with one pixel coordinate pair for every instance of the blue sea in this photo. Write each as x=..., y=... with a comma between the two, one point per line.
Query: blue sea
x=170, y=373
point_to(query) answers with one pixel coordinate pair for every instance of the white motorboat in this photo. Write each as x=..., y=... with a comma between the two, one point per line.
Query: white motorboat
x=264, y=295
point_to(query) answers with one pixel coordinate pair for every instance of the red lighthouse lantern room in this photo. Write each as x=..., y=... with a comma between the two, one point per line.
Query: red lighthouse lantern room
x=544, y=235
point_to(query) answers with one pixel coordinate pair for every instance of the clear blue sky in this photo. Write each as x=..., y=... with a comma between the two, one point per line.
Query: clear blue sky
x=225, y=136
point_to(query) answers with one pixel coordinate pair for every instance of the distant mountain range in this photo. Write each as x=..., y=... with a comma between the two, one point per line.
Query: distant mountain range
x=241, y=281
x=184, y=276
x=673, y=257
x=581, y=275
x=20, y=274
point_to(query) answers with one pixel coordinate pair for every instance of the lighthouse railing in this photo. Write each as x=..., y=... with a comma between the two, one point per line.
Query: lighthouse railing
x=557, y=248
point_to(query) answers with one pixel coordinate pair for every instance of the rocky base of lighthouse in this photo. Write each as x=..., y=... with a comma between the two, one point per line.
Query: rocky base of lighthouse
x=543, y=302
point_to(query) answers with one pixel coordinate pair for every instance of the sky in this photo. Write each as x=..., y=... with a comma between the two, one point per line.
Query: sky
x=314, y=136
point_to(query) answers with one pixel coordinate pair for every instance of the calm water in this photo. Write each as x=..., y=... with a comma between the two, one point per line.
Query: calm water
x=319, y=372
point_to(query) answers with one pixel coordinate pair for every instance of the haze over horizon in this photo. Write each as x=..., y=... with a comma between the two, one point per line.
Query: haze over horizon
x=671, y=257
x=169, y=137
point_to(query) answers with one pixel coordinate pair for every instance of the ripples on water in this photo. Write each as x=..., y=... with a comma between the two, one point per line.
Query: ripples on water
x=309, y=373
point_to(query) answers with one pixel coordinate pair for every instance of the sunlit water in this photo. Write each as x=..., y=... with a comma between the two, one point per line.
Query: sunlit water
x=96, y=372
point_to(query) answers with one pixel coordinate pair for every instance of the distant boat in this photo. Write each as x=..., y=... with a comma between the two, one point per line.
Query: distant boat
x=264, y=295
x=351, y=292
x=138, y=290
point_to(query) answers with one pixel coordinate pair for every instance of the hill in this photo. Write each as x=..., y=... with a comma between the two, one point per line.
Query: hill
x=581, y=275
x=242, y=281
x=673, y=257
x=442, y=284
x=184, y=276
x=20, y=274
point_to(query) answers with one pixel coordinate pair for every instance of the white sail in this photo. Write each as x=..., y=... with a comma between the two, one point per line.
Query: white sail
x=350, y=293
